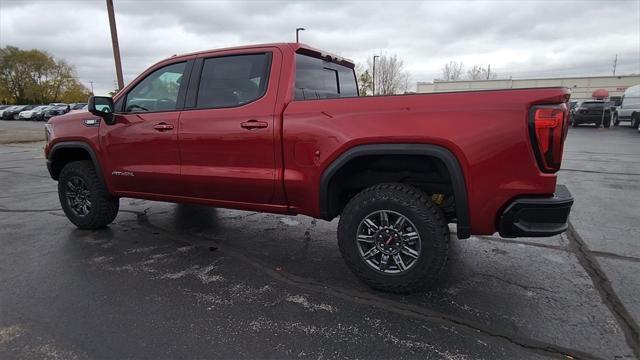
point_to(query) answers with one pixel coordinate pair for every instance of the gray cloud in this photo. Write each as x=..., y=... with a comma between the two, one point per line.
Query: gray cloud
x=518, y=38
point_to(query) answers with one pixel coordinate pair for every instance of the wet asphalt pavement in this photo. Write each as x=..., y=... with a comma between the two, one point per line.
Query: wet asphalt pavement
x=178, y=281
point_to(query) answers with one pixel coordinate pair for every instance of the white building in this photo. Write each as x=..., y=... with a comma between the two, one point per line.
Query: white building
x=581, y=87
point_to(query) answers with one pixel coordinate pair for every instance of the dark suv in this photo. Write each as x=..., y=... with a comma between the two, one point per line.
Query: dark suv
x=592, y=112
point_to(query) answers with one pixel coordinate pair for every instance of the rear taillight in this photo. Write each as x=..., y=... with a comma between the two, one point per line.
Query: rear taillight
x=548, y=129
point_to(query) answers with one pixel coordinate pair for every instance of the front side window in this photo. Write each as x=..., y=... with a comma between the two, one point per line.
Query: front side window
x=320, y=79
x=158, y=91
x=231, y=81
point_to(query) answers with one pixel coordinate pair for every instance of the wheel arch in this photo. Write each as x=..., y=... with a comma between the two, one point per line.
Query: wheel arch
x=65, y=152
x=450, y=161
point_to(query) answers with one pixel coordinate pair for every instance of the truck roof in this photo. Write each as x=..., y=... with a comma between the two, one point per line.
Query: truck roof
x=296, y=47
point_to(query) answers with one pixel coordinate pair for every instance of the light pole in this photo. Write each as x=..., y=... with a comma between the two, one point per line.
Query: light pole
x=114, y=43
x=297, y=32
x=374, y=75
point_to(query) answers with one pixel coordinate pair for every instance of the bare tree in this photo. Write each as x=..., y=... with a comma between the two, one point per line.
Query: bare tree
x=390, y=76
x=452, y=71
x=478, y=72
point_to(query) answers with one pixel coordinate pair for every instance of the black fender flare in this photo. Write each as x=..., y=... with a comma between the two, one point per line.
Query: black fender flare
x=75, y=145
x=439, y=152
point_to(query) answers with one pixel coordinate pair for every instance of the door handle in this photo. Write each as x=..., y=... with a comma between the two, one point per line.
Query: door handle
x=163, y=126
x=254, y=124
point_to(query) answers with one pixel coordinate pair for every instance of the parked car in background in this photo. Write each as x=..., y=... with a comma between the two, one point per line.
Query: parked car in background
x=55, y=111
x=35, y=114
x=629, y=109
x=3, y=108
x=84, y=108
x=592, y=112
x=76, y=106
x=12, y=113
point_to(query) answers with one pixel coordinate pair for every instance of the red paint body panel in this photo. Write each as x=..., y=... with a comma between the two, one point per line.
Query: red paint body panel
x=208, y=158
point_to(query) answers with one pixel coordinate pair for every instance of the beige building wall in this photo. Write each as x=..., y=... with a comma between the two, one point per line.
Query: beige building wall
x=581, y=87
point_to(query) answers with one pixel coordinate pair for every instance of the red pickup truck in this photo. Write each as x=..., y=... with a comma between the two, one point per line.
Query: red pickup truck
x=280, y=128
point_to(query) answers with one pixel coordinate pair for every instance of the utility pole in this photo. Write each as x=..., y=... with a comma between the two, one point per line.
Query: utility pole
x=91, y=82
x=114, y=43
x=488, y=71
x=297, y=32
x=373, y=90
x=615, y=64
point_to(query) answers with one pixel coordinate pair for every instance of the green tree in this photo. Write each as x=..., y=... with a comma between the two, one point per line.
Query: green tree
x=15, y=77
x=33, y=76
x=75, y=92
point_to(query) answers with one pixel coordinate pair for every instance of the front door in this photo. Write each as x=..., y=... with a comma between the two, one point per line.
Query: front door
x=142, y=146
x=227, y=129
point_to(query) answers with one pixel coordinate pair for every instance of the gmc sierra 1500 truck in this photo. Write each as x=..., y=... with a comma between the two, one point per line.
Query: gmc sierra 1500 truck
x=280, y=128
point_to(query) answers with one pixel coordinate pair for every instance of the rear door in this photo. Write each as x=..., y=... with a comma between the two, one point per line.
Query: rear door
x=142, y=145
x=227, y=139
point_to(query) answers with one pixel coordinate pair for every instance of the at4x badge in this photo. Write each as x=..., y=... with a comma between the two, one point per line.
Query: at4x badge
x=122, y=173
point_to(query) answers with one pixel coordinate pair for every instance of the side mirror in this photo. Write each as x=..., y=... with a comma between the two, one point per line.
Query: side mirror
x=102, y=106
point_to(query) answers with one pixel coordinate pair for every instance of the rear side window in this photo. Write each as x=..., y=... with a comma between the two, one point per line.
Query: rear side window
x=319, y=79
x=231, y=81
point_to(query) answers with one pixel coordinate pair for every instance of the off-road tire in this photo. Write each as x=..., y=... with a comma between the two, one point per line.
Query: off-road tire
x=104, y=207
x=430, y=224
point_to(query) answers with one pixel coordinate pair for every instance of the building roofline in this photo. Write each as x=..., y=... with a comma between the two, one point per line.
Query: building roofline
x=525, y=79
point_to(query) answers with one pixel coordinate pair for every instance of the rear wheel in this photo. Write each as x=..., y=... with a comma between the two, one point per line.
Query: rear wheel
x=635, y=120
x=84, y=198
x=393, y=238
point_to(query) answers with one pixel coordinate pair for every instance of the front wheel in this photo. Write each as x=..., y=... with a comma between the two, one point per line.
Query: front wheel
x=394, y=238
x=84, y=198
x=616, y=122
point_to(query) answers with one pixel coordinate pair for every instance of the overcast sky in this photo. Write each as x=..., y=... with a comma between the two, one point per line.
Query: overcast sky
x=519, y=39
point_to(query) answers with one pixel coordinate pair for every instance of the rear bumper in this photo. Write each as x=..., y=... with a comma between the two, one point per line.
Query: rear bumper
x=537, y=216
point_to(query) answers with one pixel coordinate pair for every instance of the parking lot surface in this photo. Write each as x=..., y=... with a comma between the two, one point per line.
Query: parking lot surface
x=180, y=281
x=21, y=131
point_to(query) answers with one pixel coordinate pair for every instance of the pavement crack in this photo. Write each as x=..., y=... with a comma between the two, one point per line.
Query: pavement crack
x=520, y=242
x=613, y=256
x=604, y=288
x=371, y=299
x=27, y=210
x=600, y=172
x=512, y=283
